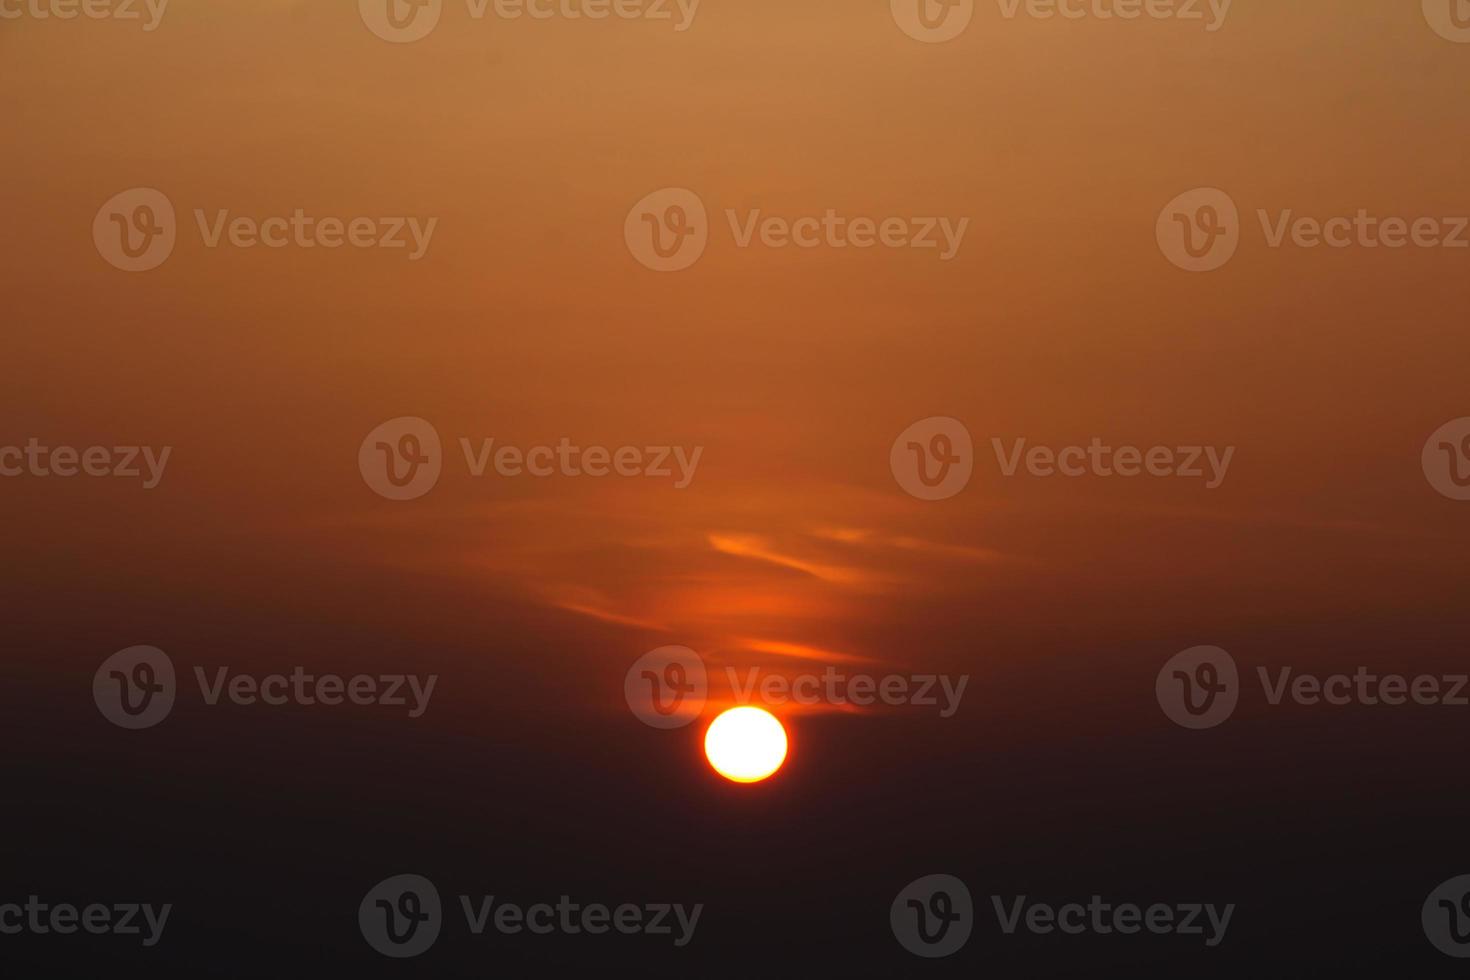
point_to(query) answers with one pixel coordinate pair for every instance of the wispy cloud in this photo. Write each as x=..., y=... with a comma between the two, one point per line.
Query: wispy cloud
x=866, y=538
x=760, y=549
x=800, y=651
x=590, y=602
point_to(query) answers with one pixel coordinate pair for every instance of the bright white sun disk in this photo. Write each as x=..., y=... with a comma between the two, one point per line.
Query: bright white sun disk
x=745, y=744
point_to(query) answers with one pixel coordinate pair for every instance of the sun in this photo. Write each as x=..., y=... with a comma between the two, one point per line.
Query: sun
x=745, y=745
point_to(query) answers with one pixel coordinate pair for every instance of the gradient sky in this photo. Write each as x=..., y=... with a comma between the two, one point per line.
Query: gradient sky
x=529, y=321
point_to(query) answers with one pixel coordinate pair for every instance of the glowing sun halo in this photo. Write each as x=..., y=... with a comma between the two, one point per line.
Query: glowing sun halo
x=745, y=745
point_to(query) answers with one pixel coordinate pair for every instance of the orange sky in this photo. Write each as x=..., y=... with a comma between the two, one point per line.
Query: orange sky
x=528, y=320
